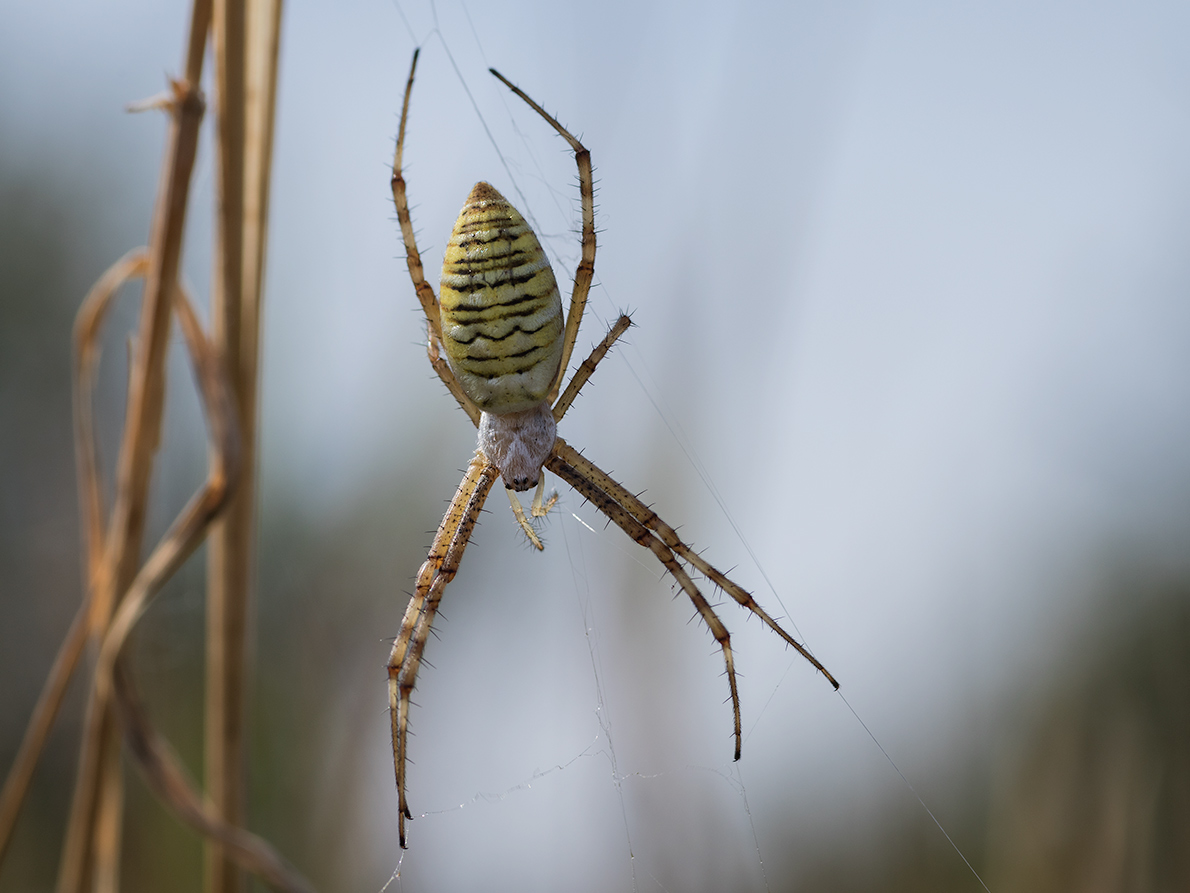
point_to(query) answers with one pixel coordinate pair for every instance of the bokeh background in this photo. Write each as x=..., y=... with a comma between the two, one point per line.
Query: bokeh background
x=912, y=355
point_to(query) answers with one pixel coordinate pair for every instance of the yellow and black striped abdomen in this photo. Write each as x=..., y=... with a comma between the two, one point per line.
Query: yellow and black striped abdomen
x=501, y=311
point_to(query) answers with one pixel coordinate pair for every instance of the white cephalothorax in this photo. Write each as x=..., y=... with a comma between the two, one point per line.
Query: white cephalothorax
x=518, y=443
x=499, y=322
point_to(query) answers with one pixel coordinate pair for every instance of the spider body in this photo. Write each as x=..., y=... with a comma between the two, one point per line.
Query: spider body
x=500, y=308
x=499, y=323
x=502, y=332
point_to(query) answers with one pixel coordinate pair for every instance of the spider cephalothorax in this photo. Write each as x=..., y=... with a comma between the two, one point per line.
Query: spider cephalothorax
x=499, y=322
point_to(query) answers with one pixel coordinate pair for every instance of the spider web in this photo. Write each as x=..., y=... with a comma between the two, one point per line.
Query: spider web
x=603, y=745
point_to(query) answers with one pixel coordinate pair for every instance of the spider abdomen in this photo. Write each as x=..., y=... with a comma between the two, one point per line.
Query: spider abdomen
x=501, y=312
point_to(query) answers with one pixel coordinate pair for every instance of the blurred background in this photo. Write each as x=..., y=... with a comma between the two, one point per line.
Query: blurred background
x=912, y=356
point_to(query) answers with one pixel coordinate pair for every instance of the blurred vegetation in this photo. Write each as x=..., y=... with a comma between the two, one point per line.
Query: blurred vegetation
x=44, y=271
x=322, y=590
x=1097, y=796
x=1088, y=788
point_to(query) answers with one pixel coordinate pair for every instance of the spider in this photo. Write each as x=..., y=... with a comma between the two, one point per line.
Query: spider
x=499, y=324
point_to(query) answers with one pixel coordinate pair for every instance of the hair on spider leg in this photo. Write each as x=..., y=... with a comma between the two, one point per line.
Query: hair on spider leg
x=523, y=542
x=738, y=675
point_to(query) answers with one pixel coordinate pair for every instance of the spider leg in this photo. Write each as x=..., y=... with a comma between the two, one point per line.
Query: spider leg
x=439, y=364
x=425, y=291
x=611, y=507
x=587, y=369
x=519, y=511
x=669, y=536
x=585, y=271
x=542, y=508
x=539, y=509
x=438, y=570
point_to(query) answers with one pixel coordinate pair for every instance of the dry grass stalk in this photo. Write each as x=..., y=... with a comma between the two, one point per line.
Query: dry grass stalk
x=91, y=853
x=86, y=331
x=118, y=588
x=154, y=757
x=246, y=42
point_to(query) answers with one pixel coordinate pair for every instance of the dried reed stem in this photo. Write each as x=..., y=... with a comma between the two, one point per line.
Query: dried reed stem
x=246, y=41
x=117, y=592
x=16, y=785
x=91, y=853
x=152, y=754
x=86, y=353
x=154, y=757
x=228, y=554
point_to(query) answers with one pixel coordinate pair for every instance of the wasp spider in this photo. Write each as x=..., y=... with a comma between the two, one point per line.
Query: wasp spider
x=498, y=340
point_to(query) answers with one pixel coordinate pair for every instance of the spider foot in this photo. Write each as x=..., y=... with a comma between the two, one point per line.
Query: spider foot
x=526, y=525
x=540, y=509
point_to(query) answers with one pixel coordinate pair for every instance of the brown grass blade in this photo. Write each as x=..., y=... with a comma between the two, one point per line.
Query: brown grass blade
x=16, y=785
x=190, y=527
x=163, y=772
x=246, y=39
x=87, y=324
x=86, y=330
x=153, y=755
x=95, y=815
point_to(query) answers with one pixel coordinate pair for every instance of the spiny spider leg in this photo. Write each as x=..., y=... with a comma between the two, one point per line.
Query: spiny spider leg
x=425, y=291
x=542, y=508
x=581, y=375
x=607, y=504
x=438, y=570
x=585, y=271
x=584, y=371
x=442, y=367
x=519, y=511
x=669, y=536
